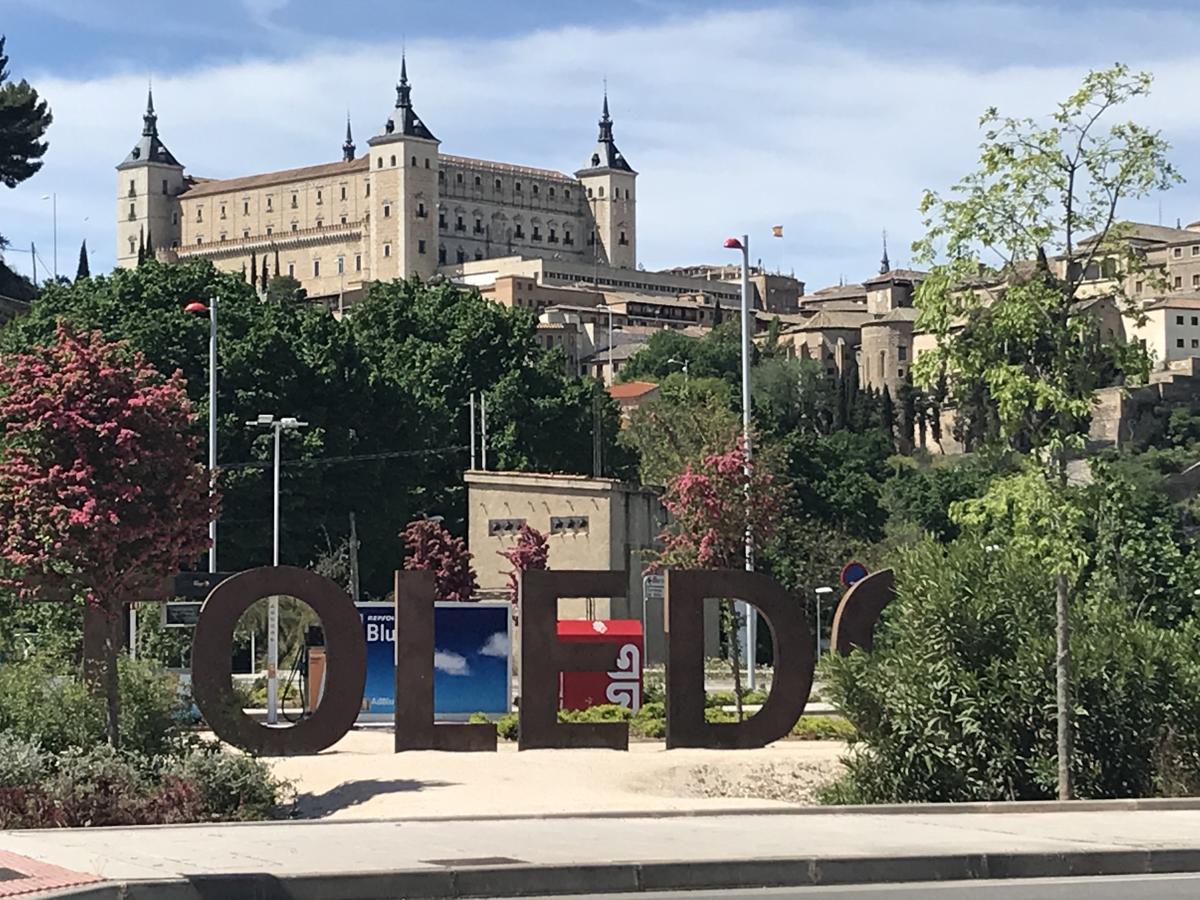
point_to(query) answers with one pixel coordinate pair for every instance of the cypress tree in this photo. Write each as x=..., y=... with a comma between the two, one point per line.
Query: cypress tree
x=264, y=275
x=141, y=246
x=149, y=243
x=907, y=396
x=83, y=271
x=253, y=267
x=276, y=263
x=887, y=416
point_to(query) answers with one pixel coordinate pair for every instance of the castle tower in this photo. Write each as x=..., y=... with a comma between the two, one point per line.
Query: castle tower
x=609, y=181
x=404, y=192
x=149, y=182
x=348, y=147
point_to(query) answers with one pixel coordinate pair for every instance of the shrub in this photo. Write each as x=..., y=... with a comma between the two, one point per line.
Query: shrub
x=230, y=786
x=956, y=703
x=22, y=761
x=823, y=728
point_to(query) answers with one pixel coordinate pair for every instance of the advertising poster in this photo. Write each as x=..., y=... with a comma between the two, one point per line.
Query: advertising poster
x=472, y=660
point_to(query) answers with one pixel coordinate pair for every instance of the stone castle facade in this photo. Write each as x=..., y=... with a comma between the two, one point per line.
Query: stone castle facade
x=403, y=208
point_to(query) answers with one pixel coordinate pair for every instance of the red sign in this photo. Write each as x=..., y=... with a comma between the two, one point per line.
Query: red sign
x=623, y=686
x=852, y=572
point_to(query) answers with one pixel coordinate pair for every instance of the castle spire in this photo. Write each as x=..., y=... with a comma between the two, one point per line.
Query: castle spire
x=606, y=128
x=149, y=118
x=404, y=122
x=884, y=265
x=403, y=91
x=606, y=155
x=348, y=147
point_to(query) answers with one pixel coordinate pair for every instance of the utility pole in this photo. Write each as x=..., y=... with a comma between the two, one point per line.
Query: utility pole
x=472, y=431
x=483, y=428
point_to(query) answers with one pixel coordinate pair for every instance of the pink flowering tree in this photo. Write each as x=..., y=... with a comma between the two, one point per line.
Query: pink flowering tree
x=430, y=547
x=531, y=553
x=711, y=504
x=101, y=497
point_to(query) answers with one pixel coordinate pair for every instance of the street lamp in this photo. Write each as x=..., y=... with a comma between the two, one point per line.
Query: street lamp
x=53, y=198
x=683, y=365
x=211, y=309
x=266, y=420
x=820, y=592
x=743, y=244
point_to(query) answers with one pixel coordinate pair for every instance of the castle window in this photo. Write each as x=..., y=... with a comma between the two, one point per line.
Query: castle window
x=567, y=241
x=600, y=190
x=164, y=186
x=902, y=353
x=320, y=223
x=341, y=263
x=421, y=213
x=1178, y=252
x=595, y=160
x=368, y=193
x=535, y=190
x=222, y=235
x=316, y=268
x=589, y=193
x=222, y=210
x=245, y=232
x=343, y=220
x=460, y=255
x=379, y=163
x=414, y=162
x=387, y=211
x=624, y=242
x=1196, y=250
x=358, y=262
x=319, y=199
x=1179, y=320
x=132, y=245
x=393, y=161
x=1178, y=342
x=199, y=213
x=291, y=270
x=517, y=187
x=519, y=233
x=616, y=193
x=553, y=236
x=295, y=227
x=441, y=220
x=132, y=188
x=1137, y=288
x=537, y=233
x=552, y=191
x=458, y=177
x=245, y=207
x=421, y=247
x=441, y=256
x=479, y=254
x=387, y=250
x=132, y=213
x=478, y=181
x=1178, y=281
x=566, y=193
x=343, y=192
x=295, y=201
x=441, y=177
x=478, y=225
x=427, y=162
x=499, y=185
x=199, y=239
x=270, y=230
x=459, y=225
x=268, y=202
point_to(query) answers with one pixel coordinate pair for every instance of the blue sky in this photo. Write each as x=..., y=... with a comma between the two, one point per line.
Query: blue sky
x=828, y=118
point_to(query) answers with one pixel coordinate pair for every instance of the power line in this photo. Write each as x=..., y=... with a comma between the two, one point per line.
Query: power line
x=332, y=460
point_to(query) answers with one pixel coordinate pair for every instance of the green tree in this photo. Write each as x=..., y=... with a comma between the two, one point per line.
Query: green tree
x=1026, y=338
x=285, y=289
x=83, y=270
x=689, y=419
x=24, y=118
x=716, y=355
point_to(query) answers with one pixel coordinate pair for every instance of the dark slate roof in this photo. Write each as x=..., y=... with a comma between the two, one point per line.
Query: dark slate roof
x=404, y=121
x=149, y=149
x=606, y=155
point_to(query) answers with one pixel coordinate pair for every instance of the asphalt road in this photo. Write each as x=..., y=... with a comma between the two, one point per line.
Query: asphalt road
x=1137, y=887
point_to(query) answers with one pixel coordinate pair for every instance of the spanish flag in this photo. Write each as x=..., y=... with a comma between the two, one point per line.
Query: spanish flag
x=777, y=231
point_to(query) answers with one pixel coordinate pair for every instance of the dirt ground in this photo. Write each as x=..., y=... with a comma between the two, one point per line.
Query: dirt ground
x=361, y=778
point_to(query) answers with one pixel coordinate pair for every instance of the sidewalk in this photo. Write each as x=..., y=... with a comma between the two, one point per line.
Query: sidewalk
x=519, y=856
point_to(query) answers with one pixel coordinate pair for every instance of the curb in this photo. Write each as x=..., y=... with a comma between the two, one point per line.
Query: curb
x=736, y=874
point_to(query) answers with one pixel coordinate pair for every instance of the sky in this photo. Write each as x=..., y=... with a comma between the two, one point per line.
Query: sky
x=827, y=118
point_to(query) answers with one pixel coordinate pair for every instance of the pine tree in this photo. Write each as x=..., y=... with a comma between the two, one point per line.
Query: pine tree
x=24, y=118
x=887, y=416
x=83, y=271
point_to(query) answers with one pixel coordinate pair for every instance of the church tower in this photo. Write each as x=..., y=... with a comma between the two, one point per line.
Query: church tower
x=609, y=182
x=404, y=193
x=149, y=182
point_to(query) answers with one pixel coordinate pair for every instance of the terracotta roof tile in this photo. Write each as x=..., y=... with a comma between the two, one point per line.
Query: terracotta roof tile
x=207, y=187
x=629, y=390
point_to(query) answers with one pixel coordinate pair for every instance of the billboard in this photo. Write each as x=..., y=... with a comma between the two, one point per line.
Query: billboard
x=472, y=660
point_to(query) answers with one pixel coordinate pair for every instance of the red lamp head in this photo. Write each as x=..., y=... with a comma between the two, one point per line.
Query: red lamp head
x=733, y=244
x=195, y=307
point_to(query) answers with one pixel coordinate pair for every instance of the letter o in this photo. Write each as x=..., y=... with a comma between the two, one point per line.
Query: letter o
x=345, y=650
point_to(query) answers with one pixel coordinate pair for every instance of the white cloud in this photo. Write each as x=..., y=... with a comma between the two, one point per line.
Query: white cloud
x=450, y=663
x=497, y=645
x=822, y=120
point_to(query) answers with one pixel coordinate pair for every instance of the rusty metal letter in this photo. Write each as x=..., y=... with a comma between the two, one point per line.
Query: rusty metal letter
x=543, y=656
x=415, y=729
x=854, y=621
x=346, y=652
x=686, y=593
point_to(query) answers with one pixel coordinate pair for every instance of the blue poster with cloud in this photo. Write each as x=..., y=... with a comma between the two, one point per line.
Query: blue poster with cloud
x=472, y=660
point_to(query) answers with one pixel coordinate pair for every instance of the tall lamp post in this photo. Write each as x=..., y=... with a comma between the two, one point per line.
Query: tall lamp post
x=211, y=309
x=289, y=423
x=743, y=244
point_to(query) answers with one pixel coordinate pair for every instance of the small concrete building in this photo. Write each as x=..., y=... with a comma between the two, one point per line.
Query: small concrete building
x=591, y=523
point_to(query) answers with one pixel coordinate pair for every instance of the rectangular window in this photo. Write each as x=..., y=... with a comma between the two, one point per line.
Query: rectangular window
x=368, y=189
x=902, y=353
x=270, y=229
x=343, y=220
x=291, y=270
x=295, y=227
x=1137, y=288
x=1195, y=321
x=387, y=250
x=199, y=214
x=458, y=177
x=421, y=214
x=357, y=262
x=132, y=188
x=164, y=186
x=341, y=265
x=320, y=200
x=1196, y=281
x=479, y=226
x=295, y=201
x=1178, y=342
x=268, y=202
x=387, y=211
x=1195, y=342
x=222, y=210
x=343, y=192
x=132, y=214
x=245, y=232
x=459, y=224
x=1196, y=250
x=316, y=267
x=245, y=207
x=421, y=247
x=1179, y=320
x=441, y=220
x=441, y=256
x=1178, y=281
x=1178, y=252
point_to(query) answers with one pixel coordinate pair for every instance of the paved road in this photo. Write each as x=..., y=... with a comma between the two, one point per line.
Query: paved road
x=1144, y=887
